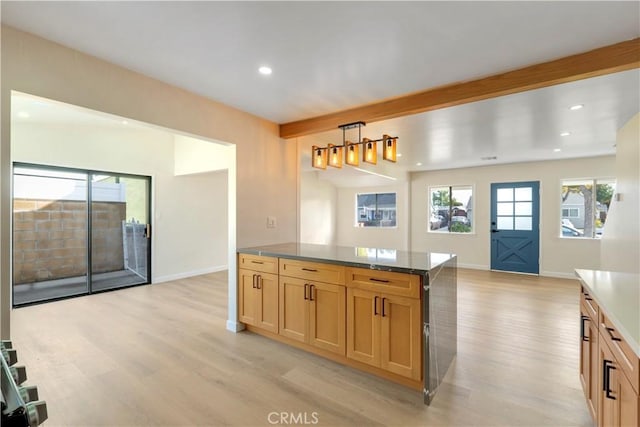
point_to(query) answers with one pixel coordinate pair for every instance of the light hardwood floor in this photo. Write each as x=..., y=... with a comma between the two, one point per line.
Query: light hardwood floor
x=160, y=355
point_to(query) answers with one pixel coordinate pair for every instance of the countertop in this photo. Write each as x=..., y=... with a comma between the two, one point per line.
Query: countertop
x=373, y=258
x=618, y=295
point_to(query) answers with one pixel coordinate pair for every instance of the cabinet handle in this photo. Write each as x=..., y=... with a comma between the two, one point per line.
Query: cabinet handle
x=259, y=282
x=257, y=262
x=587, y=297
x=606, y=377
x=383, y=300
x=305, y=291
x=254, y=281
x=375, y=305
x=309, y=269
x=373, y=279
x=613, y=338
x=311, y=292
x=582, y=328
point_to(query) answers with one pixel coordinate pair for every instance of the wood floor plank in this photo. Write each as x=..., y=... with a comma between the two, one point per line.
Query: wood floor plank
x=160, y=355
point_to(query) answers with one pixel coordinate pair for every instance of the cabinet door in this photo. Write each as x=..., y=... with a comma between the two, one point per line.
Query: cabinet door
x=327, y=317
x=589, y=360
x=247, y=297
x=591, y=332
x=607, y=406
x=363, y=326
x=400, y=336
x=294, y=308
x=626, y=413
x=267, y=301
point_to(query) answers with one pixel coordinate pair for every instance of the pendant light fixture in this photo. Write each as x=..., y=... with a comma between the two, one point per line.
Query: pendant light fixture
x=332, y=154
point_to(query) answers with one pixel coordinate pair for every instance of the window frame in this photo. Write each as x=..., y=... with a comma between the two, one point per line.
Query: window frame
x=358, y=224
x=595, y=181
x=452, y=188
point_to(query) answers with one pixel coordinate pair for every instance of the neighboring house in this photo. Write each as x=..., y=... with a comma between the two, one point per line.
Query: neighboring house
x=573, y=210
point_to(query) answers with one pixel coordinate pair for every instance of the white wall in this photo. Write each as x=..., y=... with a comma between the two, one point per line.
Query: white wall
x=266, y=175
x=559, y=256
x=189, y=212
x=193, y=155
x=318, y=205
x=388, y=238
x=620, y=249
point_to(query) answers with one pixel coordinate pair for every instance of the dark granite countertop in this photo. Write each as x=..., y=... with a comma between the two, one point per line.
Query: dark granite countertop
x=373, y=258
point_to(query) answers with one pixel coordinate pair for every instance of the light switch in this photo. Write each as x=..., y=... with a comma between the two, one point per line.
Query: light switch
x=271, y=222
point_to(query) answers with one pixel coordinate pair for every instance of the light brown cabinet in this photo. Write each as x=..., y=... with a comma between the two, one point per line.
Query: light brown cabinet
x=589, y=351
x=609, y=369
x=313, y=313
x=618, y=401
x=258, y=292
x=383, y=329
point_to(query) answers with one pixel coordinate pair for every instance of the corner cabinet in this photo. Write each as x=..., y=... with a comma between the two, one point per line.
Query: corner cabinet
x=258, y=291
x=383, y=329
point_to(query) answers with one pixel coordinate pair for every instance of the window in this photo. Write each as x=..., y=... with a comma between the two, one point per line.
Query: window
x=451, y=209
x=584, y=206
x=376, y=210
x=570, y=212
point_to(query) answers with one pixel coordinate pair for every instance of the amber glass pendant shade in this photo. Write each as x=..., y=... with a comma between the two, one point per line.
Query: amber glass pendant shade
x=389, y=148
x=319, y=157
x=369, y=151
x=352, y=154
x=335, y=156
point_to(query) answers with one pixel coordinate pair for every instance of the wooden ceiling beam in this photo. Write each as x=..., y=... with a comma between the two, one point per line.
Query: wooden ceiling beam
x=605, y=60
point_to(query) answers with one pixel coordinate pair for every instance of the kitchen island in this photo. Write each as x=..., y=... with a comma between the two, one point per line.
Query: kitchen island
x=388, y=312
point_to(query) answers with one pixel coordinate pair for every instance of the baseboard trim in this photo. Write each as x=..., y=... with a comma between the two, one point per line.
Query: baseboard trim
x=234, y=326
x=192, y=273
x=558, y=275
x=473, y=266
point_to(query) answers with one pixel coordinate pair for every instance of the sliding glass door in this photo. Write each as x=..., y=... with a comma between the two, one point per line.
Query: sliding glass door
x=120, y=231
x=77, y=232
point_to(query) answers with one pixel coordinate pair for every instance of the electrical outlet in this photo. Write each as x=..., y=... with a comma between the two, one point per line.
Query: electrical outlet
x=271, y=222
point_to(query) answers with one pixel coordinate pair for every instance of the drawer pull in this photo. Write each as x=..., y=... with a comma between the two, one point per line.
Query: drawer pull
x=606, y=377
x=257, y=262
x=582, y=328
x=613, y=338
x=373, y=279
x=313, y=270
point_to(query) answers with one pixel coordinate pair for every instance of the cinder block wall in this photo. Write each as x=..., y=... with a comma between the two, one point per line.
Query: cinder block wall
x=50, y=239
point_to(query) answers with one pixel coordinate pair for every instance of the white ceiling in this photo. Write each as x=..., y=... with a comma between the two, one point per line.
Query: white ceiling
x=328, y=56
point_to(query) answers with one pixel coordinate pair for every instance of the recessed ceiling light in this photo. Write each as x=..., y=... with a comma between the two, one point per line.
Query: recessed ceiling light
x=124, y=122
x=419, y=164
x=565, y=134
x=557, y=150
x=265, y=70
x=23, y=115
x=576, y=107
x=399, y=155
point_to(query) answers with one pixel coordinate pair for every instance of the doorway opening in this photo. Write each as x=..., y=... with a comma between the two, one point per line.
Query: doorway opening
x=78, y=232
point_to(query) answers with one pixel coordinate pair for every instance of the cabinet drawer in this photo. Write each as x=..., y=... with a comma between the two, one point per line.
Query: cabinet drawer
x=627, y=359
x=407, y=285
x=327, y=273
x=589, y=303
x=263, y=264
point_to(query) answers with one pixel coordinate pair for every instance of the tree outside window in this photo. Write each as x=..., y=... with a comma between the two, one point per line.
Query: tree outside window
x=585, y=205
x=451, y=209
